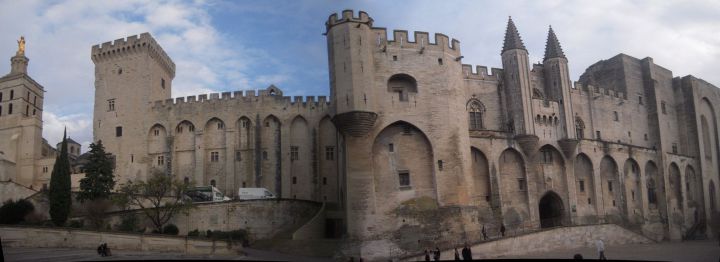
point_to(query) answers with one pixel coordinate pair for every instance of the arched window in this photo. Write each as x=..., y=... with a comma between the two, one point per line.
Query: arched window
x=475, y=115
x=402, y=84
x=212, y=182
x=579, y=128
x=652, y=197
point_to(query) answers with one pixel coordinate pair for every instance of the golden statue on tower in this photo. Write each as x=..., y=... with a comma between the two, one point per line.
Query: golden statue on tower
x=21, y=46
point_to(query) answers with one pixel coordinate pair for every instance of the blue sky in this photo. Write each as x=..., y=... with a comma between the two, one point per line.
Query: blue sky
x=241, y=45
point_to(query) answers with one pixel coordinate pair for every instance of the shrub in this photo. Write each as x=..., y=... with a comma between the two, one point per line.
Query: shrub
x=235, y=235
x=170, y=229
x=13, y=212
x=194, y=233
x=76, y=223
x=128, y=223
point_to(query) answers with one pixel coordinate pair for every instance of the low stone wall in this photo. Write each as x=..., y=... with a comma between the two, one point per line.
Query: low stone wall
x=559, y=238
x=263, y=218
x=73, y=238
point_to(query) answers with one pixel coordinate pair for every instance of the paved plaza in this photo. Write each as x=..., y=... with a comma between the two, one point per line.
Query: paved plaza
x=688, y=251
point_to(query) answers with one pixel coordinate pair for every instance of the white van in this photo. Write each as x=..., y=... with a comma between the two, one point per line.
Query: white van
x=205, y=194
x=246, y=193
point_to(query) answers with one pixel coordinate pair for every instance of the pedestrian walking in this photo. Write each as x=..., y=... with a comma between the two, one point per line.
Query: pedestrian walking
x=467, y=253
x=2, y=257
x=502, y=229
x=601, y=249
x=436, y=254
x=427, y=254
x=484, y=233
x=457, y=255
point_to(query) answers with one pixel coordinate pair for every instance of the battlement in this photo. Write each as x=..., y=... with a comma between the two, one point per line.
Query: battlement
x=590, y=90
x=481, y=73
x=244, y=97
x=421, y=41
x=131, y=45
x=346, y=17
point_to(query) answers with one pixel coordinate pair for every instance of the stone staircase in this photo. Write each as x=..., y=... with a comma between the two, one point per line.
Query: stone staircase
x=697, y=231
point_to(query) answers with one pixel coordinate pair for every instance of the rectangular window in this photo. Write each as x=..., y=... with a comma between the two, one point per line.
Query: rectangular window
x=404, y=177
x=45, y=169
x=294, y=180
x=674, y=148
x=156, y=132
x=394, y=58
x=391, y=147
x=265, y=155
x=662, y=107
x=597, y=135
x=609, y=186
x=132, y=158
x=589, y=201
x=214, y=156
x=521, y=184
x=111, y=104
x=162, y=82
x=547, y=156
x=118, y=131
x=632, y=192
x=640, y=100
x=34, y=100
x=324, y=180
x=220, y=125
x=330, y=153
x=238, y=155
x=616, y=116
x=160, y=160
x=12, y=94
x=440, y=62
x=10, y=109
x=294, y=153
x=582, y=185
x=440, y=165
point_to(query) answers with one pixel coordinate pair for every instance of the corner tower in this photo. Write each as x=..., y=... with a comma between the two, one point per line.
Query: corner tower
x=557, y=80
x=351, y=67
x=129, y=74
x=516, y=82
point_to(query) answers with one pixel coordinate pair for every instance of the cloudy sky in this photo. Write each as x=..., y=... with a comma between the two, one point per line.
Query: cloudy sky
x=240, y=45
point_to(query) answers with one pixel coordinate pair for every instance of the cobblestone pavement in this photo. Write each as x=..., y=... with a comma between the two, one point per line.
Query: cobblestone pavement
x=688, y=251
x=67, y=254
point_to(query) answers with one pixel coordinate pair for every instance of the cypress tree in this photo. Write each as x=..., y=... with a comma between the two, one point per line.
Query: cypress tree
x=59, y=192
x=99, y=179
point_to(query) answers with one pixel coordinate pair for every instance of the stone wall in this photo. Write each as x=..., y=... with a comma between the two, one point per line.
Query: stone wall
x=566, y=237
x=262, y=219
x=74, y=238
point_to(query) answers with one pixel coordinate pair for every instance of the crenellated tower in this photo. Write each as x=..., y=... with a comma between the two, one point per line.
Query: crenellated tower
x=351, y=67
x=129, y=75
x=557, y=81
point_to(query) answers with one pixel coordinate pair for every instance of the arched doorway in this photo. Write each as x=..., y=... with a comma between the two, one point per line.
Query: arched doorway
x=551, y=210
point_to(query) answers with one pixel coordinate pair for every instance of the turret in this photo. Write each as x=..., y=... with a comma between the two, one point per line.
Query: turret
x=557, y=81
x=516, y=82
x=350, y=60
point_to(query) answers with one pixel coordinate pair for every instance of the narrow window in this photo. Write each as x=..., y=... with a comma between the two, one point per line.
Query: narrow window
x=547, y=156
x=118, y=131
x=582, y=186
x=394, y=58
x=662, y=107
x=632, y=192
x=244, y=184
x=330, y=153
x=294, y=180
x=160, y=160
x=613, y=202
x=440, y=165
x=616, y=116
x=609, y=186
x=111, y=104
x=0, y=110
x=404, y=177
x=191, y=128
x=293, y=153
x=27, y=97
x=265, y=155
x=12, y=94
x=220, y=125
x=34, y=100
x=267, y=124
x=34, y=111
x=214, y=156
x=324, y=180
x=238, y=155
x=640, y=100
x=10, y=109
x=674, y=148
x=589, y=201
x=132, y=158
x=521, y=184
x=156, y=132
x=440, y=62
x=162, y=82
x=597, y=134
x=1, y=94
x=27, y=110
x=391, y=147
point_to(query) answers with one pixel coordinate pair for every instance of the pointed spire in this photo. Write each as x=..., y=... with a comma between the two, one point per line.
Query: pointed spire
x=552, y=46
x=512, y=37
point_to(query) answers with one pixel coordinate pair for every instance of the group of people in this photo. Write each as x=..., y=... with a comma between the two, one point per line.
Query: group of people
x=502, y=231
x=103, y=250
x=466, y=254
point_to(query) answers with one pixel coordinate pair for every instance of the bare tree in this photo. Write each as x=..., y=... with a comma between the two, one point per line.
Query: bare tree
x=159, y=198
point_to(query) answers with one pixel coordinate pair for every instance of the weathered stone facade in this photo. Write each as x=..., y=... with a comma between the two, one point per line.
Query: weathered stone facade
x=427, y=150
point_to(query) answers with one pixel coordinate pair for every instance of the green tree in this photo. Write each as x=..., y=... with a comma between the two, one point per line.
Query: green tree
x=159, y=198
x=99, y=179
x=59, y=194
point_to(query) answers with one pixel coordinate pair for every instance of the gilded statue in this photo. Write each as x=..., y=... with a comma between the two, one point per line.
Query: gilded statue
x=21, y=45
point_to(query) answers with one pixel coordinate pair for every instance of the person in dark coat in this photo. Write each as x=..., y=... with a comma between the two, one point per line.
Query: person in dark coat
x=467, y=253
x=457, y=255
x=502, y=229
x=484, y=233
x=2, y=257
x=427, y=254
x=436, y=254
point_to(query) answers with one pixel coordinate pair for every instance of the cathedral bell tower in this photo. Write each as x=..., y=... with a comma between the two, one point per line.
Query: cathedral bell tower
x=557, y=88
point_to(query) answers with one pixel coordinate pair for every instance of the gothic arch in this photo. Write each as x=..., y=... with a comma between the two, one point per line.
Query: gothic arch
x=476, y=112
x=301, y=185
x=579, y=128
x=270, y=156
x=402, y=84
x=585, y=186
x=244, y=155
x=675, y=192
x=157, y=139
x=403, y=167
x=482, y=192
x=245, y=133
x=655, y=187
x=610, y=186
x=184, y=147
x=514, y=187
x=329, y=156
x=633, y=189
x=214, y=143
x=551, y=171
